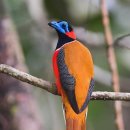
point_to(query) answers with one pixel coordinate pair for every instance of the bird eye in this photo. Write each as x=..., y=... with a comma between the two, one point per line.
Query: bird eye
x=64, y=26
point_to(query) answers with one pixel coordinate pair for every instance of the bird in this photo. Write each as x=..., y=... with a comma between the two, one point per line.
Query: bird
x=74, y=75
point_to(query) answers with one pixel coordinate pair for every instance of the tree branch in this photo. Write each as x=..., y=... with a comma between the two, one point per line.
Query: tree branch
x=51, y=87
x=99, y=95
x=123, y=41
x=112, y=63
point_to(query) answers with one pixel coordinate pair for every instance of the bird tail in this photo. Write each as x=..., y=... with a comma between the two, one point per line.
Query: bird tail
x=75, y=124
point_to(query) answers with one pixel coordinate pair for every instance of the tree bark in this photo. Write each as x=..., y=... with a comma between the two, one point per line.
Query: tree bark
x=18, y=110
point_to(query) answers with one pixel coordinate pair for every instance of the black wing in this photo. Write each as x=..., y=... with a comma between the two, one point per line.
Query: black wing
x=68, y=83
x=67, y=80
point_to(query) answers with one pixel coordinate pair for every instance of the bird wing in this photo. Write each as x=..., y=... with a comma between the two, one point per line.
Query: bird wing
x=75, y=67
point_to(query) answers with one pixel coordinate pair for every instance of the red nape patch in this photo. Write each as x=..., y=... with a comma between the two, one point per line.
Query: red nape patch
x=71, y=34
x=56, y=71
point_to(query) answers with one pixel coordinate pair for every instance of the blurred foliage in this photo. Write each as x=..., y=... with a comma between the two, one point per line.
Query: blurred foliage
x=57, y=13
x=101, y=113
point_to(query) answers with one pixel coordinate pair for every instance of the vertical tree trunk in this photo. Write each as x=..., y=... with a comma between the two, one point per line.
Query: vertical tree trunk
x=18, y=110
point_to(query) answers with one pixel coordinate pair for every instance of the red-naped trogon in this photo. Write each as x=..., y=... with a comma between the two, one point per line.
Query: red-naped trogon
x=74, y=72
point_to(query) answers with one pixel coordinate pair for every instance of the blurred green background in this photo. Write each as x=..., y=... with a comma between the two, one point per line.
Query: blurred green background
x=38, y=42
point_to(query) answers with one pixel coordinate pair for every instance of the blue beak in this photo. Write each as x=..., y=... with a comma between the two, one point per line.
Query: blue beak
x=52, y=24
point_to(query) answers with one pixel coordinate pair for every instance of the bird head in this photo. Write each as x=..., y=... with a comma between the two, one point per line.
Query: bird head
x=63, y=27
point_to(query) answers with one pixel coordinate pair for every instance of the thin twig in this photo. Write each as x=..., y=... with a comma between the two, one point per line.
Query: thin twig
x=51, y=87
x=112, y=63
x=123, y=41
